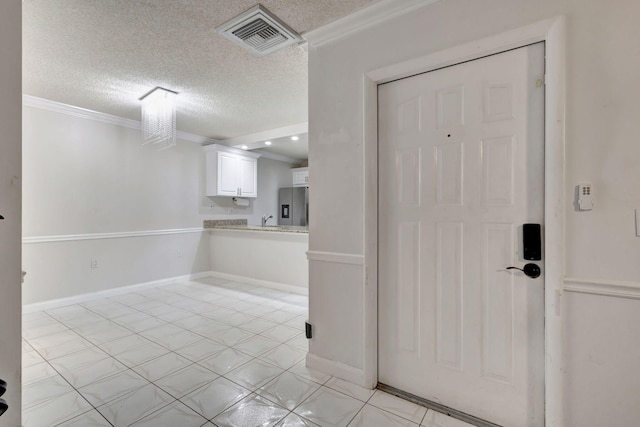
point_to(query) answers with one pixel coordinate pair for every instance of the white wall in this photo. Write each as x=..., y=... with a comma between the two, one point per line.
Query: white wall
x=601, y=147
x=10, y=207
x=279, y=258
x=272, y=175
x=603, y=363
x=90, y=181
x=83, y=176
x=63, y=269
x=85, y=179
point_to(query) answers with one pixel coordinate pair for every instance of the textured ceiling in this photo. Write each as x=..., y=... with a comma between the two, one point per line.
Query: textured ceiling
x=105, y=54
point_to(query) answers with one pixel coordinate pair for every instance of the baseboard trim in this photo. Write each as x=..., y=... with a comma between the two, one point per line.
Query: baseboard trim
x=337, y=369
x=264, y=283
x=611, y=288
x=77, y=299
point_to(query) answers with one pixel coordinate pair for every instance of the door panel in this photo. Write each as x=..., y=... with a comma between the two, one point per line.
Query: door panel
x=460, y=170
x=449, y=294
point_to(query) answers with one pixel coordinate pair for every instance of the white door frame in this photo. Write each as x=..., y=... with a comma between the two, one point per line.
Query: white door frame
x=552, y=32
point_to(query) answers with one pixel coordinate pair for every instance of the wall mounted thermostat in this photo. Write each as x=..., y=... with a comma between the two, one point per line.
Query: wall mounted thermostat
x=585, y=197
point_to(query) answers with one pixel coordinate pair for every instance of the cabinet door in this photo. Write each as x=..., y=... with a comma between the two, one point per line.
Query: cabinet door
x=301, y=178
x=228, y=172
x=248, y=169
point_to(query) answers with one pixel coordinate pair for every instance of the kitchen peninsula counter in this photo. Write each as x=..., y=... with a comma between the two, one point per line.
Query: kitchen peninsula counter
x=241, y=224
x=273, y=256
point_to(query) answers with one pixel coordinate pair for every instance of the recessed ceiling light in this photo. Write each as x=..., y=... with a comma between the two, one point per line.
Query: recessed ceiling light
x=294, y=138
x=244, y=147
x=267, y=143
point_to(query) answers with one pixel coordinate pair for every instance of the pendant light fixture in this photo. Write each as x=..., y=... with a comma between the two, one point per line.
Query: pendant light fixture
x=159, y=118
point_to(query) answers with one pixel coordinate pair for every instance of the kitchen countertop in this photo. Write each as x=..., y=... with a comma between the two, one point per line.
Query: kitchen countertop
x=241, y=224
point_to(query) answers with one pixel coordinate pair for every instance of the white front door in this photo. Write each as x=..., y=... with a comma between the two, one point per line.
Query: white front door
x=461, y=169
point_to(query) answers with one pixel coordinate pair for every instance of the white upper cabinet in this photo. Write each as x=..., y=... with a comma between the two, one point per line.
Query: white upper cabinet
x=231, y=172
x=248, y=176
x=300, y=177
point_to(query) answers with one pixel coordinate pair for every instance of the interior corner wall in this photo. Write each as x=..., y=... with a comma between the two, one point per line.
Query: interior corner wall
x=601, y=148
x=87, y=180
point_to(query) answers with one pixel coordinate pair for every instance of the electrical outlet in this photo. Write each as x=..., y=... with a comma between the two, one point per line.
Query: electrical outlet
x=94, y=263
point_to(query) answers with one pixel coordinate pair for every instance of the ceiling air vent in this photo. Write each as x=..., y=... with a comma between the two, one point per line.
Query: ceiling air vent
x=259, y=31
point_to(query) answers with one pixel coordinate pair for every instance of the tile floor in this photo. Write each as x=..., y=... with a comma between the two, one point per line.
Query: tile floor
x=196, y=353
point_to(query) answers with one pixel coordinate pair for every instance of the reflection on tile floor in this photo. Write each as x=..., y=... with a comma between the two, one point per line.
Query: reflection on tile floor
x=195, y=353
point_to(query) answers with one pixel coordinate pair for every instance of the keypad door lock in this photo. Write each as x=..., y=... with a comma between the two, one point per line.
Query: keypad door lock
x=530, y=270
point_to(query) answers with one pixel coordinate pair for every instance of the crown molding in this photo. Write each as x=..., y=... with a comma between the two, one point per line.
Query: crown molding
x=280, y=132
x=384, y=10
x=253, y=153
x=225, y=148
x=260, y=153
x=255, y=140
x=190, y=137
x=278, y=157
x=83, y=113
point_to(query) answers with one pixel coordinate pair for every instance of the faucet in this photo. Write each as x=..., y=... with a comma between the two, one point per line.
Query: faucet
x=266, y=218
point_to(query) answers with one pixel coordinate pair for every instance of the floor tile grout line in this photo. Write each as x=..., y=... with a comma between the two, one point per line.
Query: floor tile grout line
x=98, y=344
x=165, y=406
x=356, y=414
x=116, y=397
x=227, y=407
x=129, y=368
x=134, y=391
x=256, y=394
x=398, y=415
x=74, y=389
x=318, y=391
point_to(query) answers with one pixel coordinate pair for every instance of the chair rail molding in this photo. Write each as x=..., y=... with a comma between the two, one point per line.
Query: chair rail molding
x=336, y=257
x=114, y=235
x=610, y=288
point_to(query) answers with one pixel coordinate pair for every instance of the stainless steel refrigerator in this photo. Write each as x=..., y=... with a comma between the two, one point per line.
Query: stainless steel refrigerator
x=293, y=206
